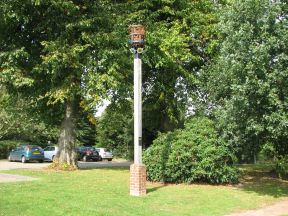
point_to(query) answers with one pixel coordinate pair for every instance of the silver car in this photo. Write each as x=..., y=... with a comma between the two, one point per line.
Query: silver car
x=50, y=152
x=105, y=154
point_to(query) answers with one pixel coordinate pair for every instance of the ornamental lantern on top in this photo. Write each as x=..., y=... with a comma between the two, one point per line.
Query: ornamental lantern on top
x=137, y=38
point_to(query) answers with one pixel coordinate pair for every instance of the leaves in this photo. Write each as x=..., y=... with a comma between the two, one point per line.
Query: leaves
x=243, y=79
x=193, y=154
x=114, y=129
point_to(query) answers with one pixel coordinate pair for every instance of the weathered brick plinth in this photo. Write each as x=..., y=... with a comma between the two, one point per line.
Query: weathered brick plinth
x=137, y=180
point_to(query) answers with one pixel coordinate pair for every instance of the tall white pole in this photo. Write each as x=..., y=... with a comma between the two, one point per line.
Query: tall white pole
x=137, y=109
x=137, y=170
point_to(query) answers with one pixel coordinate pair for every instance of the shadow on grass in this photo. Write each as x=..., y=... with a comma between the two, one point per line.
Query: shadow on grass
x=263, y=181
x=155, y=188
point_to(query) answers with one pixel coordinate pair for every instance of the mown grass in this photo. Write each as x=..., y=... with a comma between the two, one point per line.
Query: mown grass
x=106, y=192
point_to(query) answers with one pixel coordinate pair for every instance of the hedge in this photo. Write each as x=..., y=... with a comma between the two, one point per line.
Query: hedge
x=192, y=154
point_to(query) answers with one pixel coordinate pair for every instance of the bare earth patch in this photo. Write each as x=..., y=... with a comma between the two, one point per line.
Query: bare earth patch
x=264, y=182
x=277, y=209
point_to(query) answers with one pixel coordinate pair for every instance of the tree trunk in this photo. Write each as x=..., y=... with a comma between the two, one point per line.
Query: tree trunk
x=66, y=141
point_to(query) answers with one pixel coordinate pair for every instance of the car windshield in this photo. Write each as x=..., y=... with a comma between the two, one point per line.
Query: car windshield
x=103, y=149
x=107, y=150
x=36, y=148
x=85, y=148
x=32, y=147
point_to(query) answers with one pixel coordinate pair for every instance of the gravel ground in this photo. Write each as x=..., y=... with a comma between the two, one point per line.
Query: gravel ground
x=6, y=165
x=104, y=164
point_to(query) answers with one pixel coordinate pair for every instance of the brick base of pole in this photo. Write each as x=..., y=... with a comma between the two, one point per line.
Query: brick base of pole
x=137, y=180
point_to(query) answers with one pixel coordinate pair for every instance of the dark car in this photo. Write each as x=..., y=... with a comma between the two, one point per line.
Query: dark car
x=26, y=153
x=86, y=153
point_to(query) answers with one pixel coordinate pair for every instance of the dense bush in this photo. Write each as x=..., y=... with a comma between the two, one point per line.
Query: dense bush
x=6, y=146
x=192, y=154
x=282, y=167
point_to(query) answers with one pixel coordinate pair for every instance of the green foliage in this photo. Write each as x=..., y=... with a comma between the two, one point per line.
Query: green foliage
x=49, y=52
x=193, y=154
x=114, y=130
x=54, y=51
x=7, y=145
x=180, y=39
x=86, y=129
x=18, y=121
x=282, y=167
x=248, y=82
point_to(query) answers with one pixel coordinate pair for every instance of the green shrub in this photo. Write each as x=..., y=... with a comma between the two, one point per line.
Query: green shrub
x=6, y=146
x=192, y=154
x=282, y=167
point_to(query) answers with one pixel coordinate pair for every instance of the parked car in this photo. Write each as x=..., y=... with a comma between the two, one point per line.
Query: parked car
x=25, y=153
x=86, y=153
x=50, y=152
x=105, y=154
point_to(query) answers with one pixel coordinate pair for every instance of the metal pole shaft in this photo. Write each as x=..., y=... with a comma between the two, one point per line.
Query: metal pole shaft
x=137, y=110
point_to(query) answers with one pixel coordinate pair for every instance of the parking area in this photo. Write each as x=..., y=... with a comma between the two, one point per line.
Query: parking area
x=6, y=165
x=103, y=164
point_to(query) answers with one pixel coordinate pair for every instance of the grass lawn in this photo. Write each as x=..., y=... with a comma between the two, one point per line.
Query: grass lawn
x=106, y=192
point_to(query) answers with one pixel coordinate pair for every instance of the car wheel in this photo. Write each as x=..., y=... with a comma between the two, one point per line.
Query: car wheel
x=109, y=159
x=53, y=157
x=100, y=158
x=84, y=158
x=40, y=161
x=23, y=159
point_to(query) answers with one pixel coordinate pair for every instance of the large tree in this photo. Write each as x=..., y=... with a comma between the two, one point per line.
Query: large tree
x=248, y=82
x=47, y=49
x=58, y=51
x=180, y=39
